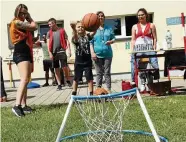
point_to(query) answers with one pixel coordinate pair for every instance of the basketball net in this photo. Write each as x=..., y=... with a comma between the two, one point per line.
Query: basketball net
x=103, y=117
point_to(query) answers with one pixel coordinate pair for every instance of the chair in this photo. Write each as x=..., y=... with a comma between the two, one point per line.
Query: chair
x=144, y=66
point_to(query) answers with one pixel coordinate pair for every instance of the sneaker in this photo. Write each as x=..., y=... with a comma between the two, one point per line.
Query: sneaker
x=27, y=109
x=3, y=99
x=59, y=87
x=91, y=93
x=46, y=84
x=142, y=88
x=18, y=111
x=80, y=82
x=69, y=83
x=109, y=91
x=54, y=83
x=98, y=87
x=147, y=88
x=74, y=93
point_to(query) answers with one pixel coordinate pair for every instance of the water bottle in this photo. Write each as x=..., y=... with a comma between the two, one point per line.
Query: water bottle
x=168, y=39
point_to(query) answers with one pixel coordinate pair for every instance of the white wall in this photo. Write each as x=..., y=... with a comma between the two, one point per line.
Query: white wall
x=67, y=11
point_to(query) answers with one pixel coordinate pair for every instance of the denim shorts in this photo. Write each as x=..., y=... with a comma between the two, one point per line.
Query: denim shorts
x=22, y=52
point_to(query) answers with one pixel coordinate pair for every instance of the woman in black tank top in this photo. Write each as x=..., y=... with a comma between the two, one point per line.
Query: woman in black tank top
x=20, y=32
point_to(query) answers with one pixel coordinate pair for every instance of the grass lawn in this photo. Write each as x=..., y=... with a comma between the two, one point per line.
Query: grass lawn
x=168, y=115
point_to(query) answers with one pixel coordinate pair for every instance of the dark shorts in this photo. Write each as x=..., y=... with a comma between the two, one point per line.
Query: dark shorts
x=78, y=72
x=22, y=52
x=60, y=60
x=47, y=64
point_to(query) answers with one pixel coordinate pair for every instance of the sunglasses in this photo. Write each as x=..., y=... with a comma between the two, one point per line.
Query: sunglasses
x=141, y=15
x=23, y=13
x=101, y=16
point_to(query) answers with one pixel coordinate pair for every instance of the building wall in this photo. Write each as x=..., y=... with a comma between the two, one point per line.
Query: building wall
x=68, y=11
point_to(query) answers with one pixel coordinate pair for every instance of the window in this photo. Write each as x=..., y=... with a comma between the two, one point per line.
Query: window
x=115, y=24
x=43, y=27
x=122, y=25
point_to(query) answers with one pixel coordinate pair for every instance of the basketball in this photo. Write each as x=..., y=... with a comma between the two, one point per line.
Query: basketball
x=100, y=91
x=91, y=22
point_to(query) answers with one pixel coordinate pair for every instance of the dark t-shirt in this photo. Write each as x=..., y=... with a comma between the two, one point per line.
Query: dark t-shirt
x=82, y=50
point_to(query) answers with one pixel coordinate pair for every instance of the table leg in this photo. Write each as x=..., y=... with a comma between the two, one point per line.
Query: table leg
x=10, y=73
x=136, y=70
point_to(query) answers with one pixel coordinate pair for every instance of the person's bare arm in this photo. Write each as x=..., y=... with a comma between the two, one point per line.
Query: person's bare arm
x=133, y=31
x=154, y=34
x=26, y=25
x=93, y=54
x=92, y=34
x=112, y=38
x=48, y=44
x=30, y=25
x=68, y=48
x=74, y=36
x=50, y=53
x=37, y=44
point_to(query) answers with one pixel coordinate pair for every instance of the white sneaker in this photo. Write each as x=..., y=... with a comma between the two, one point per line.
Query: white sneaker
x=133, y=83
x=147, y=88
x=142, y=88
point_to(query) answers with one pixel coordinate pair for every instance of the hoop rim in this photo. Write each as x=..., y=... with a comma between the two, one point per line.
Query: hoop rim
x=114, y=95
x=138, y=132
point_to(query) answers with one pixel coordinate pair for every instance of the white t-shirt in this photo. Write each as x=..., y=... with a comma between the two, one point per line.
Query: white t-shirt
x=143, y=43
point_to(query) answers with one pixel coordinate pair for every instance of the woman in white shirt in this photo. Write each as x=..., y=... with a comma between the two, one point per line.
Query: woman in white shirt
x=144, y=37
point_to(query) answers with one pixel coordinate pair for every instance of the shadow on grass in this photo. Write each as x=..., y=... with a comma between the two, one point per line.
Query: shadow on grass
x=171, y=93
x=178, y=93
x=52, y=106
x=178, y=90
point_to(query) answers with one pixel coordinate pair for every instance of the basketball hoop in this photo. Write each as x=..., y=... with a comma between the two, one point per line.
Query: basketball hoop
x=103, y=117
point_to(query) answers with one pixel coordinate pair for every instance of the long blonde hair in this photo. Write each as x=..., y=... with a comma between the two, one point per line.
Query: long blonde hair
x=18, y=8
